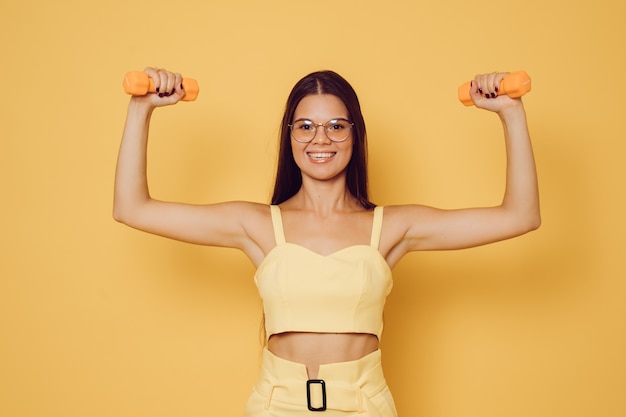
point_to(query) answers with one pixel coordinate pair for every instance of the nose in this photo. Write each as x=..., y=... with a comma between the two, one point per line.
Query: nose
x=320, y=134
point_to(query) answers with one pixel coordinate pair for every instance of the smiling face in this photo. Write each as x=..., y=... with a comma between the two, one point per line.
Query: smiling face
x=289, y=174
x=321, y=158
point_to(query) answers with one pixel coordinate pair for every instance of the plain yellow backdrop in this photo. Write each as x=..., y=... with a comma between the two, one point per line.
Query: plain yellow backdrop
x=97, y=319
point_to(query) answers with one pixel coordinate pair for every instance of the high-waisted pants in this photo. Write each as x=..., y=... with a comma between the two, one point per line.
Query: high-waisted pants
x=344, y=389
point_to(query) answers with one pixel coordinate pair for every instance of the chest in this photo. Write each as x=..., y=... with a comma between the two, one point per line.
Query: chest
x=329, y=235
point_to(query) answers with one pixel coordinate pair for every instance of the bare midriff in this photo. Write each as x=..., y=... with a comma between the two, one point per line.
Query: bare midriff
x=315, y=349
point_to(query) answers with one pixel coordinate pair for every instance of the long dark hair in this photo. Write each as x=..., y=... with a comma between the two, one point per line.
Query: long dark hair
x=288, y=175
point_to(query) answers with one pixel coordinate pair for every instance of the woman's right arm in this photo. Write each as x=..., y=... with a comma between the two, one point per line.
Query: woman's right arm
x=233, y=224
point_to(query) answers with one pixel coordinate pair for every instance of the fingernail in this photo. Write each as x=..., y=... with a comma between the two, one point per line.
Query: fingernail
x=161, y=95
x=493, y=95
x=480, y=90
x=157, y=89
x=181, y=86
x=497, y=89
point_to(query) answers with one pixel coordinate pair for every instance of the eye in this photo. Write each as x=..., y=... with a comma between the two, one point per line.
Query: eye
x=337, y=125
x=303, y=125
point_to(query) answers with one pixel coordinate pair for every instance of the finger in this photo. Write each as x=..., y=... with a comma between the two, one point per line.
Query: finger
x=491, y=86
x=498, y=81
x=476, y=89
x=178, y=85
x=474, y=93
x=488, y=84
x=170, y=83
x=162, y=89
x=154, y=74
x=480, y=80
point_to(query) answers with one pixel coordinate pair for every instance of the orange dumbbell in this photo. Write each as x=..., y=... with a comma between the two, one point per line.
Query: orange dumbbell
x=138, y=83
x=514, y=85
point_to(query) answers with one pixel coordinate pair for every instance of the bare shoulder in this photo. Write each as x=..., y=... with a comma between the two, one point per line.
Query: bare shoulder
x=402, y=227
x=399, y=218
x=255, y=217
x=256, y=221
x=247, y=208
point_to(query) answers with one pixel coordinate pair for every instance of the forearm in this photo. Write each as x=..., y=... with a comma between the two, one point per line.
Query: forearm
x=521, y=197
x=131, y=185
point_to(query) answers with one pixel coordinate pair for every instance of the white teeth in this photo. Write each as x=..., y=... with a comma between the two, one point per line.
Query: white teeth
x=321, y=155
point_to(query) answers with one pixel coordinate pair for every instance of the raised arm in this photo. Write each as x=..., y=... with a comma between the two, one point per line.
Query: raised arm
x=235, y=224
x=414, y=227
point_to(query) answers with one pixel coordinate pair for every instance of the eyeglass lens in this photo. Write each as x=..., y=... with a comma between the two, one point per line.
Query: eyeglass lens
x=336, y=130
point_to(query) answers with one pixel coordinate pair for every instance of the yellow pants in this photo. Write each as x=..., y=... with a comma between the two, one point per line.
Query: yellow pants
x=354, y=388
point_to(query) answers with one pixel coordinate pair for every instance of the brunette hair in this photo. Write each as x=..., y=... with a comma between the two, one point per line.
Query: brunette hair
x=288, y=175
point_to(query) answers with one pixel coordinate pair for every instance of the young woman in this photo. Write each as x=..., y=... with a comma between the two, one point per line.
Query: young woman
x=323, y=251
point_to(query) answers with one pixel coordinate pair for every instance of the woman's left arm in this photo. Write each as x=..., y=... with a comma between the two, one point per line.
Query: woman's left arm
x=426, y=228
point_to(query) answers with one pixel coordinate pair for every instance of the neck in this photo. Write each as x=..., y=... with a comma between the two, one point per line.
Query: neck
x=324, y=197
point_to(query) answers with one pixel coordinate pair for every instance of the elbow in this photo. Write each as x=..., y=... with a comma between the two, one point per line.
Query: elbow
x=535, y=218
x=120, y=214
x=533, y=222
x=129, y=213
x=523, y=219
x=522, y=223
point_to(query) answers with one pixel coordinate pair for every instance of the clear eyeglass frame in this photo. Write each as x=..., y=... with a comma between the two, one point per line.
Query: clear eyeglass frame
x=336, y=130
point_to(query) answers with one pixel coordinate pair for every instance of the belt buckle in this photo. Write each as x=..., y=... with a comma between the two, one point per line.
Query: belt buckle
x=308, y=394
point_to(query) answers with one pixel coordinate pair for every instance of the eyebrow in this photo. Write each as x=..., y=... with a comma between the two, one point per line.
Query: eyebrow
x=333, y=118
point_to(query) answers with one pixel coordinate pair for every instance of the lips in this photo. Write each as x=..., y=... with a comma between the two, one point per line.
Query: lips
x=320, y=156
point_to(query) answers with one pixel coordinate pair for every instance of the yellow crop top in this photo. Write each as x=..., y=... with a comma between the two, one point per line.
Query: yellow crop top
x=303, y=291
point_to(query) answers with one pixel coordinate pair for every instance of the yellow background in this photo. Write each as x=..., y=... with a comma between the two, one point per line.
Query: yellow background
x=97, y=319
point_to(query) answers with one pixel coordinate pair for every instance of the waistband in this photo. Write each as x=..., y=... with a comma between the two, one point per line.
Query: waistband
x=344, y=386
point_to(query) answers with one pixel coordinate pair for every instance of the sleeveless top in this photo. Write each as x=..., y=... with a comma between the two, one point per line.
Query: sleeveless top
x=303, y=291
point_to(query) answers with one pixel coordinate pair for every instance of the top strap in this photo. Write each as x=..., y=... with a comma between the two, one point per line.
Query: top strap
x=279, y=233
x=277, y=222
x=377, y=226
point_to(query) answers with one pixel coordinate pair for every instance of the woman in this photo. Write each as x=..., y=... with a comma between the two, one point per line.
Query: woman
x=323, y=251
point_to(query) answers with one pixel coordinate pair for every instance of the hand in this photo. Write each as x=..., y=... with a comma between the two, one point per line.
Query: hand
x=484, y=93
x=168, y=86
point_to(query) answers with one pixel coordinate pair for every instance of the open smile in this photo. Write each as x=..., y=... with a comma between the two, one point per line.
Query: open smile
x=320, y=156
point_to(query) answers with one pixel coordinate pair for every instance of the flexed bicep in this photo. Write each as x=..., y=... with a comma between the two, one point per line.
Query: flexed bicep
x=429, y=228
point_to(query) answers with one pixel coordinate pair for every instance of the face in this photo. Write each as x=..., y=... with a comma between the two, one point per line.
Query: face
x=322, y=158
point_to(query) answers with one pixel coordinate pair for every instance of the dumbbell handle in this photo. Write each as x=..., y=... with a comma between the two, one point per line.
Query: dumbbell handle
x=514, y=85
x=137, y=83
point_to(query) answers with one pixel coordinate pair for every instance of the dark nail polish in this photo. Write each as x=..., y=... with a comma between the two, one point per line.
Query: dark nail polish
x=157, y=89
x=493, y=95
x=161, y=95
x=480, y=90
x=497, y=89
x=181, y=86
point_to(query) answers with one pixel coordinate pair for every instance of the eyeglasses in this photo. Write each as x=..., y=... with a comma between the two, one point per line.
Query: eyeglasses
x=304, y=130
